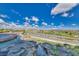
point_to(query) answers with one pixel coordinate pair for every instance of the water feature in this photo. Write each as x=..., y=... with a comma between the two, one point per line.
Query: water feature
x=9, y=42
x=3, y=35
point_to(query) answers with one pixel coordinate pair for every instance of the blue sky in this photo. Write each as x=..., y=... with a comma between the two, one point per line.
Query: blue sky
x=25, y=12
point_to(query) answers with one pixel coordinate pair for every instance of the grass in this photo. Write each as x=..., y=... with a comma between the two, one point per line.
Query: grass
x=68, y=34
x=40, y=40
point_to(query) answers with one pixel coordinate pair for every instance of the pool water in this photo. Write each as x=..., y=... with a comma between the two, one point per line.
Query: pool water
x=8, y=43
x=3, y=35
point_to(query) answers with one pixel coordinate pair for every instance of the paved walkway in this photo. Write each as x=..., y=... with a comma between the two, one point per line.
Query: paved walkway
x=56, y=38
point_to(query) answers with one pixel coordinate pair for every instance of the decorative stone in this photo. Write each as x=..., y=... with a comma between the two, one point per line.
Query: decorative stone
x=31, y=51
x=16, y=52
x=48, y=48
x=40, y=51
x=3, y=51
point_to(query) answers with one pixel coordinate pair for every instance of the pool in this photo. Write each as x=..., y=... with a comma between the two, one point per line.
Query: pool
x=8, y=39
x=3, y=35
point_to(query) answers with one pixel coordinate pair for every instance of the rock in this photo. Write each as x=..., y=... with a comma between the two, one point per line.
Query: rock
x=31, y=48
x=13, y=50
x=31, y=43
x=24, y=53
x=22, y=48
x=48, y=48
x=28, y=52
x=46, y=45
x=21, y=52
x=3, y=51
x=40, y=51
x=31, y=52
x=64, y=51
x=16, y=51
x=26, y=44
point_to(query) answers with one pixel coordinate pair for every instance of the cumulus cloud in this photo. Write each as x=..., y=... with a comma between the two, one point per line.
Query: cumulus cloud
x=62, y=7
x=3, y=16
x=61, y=25
x=54, y=27
x=35, y=19
x=16, y=12
x=71, y=15
x=73, y=24
x=36, y=26
x=52, y=24
x=3, y=24
x=2, y=21
x=13, y=24
x=26, y=18
x=44, y=23
x=65, y=14
x=26, y=24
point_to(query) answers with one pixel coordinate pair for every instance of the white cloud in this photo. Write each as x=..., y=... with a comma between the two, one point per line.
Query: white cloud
x=26, y=18
x=3, y=24
x=36, y=25
x=74, y=24
x=26, y=24
x=35, y=19
x=3, y=16
x=2, y=21
x=16, y=12
x=65, y=14
x=44, y=24
x=71, y=15
x=54, y=27
x=62, y=7
x=13, y=24
x=61, y=25
x=52, y=24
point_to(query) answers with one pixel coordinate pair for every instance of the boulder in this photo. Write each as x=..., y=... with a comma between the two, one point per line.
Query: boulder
x=31, y=51
x=48, y=48
x=40, y=51
x=3, y=51
x=15, y=51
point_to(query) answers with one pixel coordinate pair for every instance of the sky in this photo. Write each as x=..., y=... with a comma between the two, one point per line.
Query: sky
x=42, y=15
